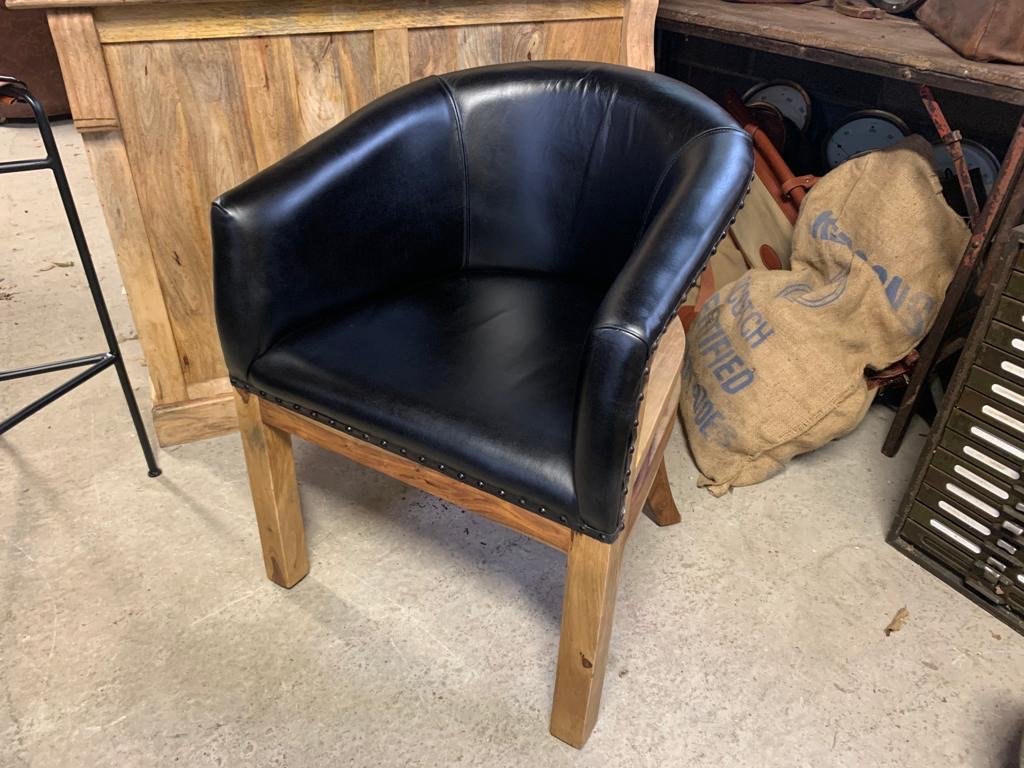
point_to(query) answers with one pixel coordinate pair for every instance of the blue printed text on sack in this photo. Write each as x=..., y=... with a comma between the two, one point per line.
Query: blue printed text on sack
x=715, y=346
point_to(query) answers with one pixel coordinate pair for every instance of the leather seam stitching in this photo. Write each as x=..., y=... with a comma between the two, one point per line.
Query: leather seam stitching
x=668, y=167
x=626, y=331
x=465, y=169
x=590, y=159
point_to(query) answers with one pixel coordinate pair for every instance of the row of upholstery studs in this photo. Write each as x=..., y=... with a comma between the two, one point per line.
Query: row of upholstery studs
x=420, y=459
x=657, y=341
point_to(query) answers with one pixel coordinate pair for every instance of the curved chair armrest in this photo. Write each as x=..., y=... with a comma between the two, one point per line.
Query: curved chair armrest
x=374, y=202
x=695, y=203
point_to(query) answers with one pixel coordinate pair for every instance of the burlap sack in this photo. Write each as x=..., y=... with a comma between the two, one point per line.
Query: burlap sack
x=775, y=361
x=760, y=226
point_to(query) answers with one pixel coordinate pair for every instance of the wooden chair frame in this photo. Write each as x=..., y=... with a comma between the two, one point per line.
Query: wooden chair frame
x=592, y=573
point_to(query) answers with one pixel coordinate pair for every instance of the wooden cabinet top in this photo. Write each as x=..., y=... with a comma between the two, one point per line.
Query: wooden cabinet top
x=893, y=46
x=523, y=7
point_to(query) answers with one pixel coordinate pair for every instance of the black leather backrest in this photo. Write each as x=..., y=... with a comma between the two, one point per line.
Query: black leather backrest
x=292, y=242
x=552, y=167
x=563, y=160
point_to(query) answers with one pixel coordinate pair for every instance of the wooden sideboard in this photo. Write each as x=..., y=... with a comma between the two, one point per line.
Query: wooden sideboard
x=179, y=101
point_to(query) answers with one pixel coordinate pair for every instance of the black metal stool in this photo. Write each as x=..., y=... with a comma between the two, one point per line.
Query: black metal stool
x=15, y=90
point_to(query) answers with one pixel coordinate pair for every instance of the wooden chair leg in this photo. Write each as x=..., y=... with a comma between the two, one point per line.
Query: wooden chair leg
x=275, y=493
x=660, y=506
x=591, y=583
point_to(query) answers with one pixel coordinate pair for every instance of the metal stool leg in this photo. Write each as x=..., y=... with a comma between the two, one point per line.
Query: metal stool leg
x=16, y=90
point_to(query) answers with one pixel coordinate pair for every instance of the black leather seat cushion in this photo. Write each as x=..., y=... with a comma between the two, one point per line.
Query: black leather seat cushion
x=477, y=371
x=477, y=268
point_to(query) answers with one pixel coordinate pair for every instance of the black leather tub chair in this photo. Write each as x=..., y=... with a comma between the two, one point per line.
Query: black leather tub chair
x=471, y=285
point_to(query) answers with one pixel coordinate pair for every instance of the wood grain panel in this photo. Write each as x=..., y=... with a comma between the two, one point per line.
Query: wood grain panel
x=197, y=419
x=478, y=46
x=432, y=51
x=357, y=62
x=318, y=82
x=84, y=70
x=522, y=42
x=391, y=59
x=271, y=99
x=213, y=388
x=213, y=109
x=220, y=151
x=639, y=17
x=584, y=40
x=123, y=213
x=256, y=18
x=156, y=135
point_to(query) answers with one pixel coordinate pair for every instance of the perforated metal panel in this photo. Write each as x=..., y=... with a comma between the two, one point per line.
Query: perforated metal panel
x=963, y=515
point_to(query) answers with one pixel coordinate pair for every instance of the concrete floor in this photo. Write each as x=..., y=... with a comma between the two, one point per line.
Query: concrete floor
x=137, y=627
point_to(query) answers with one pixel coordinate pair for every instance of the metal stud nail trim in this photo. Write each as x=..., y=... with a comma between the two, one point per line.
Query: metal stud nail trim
x=650, y=355
x=388, y=445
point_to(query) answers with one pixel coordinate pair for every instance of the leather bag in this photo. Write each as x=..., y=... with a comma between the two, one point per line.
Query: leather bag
x=983, y=30
x=27, y=53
